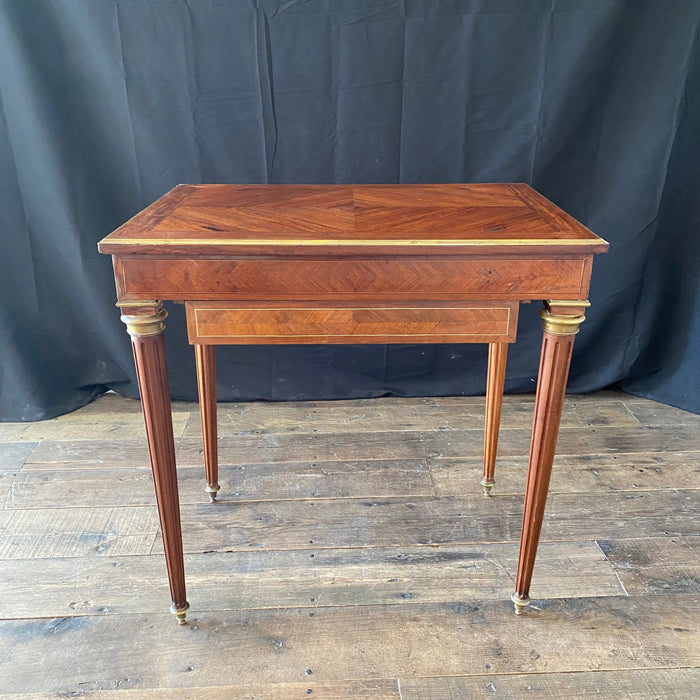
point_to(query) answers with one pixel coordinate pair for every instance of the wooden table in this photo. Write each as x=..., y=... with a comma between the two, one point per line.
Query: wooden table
x=301, y=264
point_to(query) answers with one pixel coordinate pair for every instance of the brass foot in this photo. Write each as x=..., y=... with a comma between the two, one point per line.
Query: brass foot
x=488, y=485
x=212, y=491
x=180, y=613
x=519, y=603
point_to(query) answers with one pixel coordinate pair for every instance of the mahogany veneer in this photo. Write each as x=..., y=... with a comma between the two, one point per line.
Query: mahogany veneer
x=245, y=322
x=263, y=264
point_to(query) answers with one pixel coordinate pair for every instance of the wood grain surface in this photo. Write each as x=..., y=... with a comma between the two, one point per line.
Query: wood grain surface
x=202, y=278
x=152, y=375
x=345, y=690
x=349, y=642
x=386, y=218
x=205, y=360
x=495, y=378
x=253, y=323
x=640, y=684
x=549, y=402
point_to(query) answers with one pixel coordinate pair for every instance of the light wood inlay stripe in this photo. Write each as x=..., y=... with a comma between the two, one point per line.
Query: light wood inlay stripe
x=213, y=323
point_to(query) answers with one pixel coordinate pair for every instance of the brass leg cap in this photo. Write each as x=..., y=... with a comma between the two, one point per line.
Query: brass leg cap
x=519, y=603
x=212, y=491
x=180, y=613
x=488, y=485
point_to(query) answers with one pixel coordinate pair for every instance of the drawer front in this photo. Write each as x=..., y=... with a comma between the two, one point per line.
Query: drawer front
x=451, y=279
x=250, y=323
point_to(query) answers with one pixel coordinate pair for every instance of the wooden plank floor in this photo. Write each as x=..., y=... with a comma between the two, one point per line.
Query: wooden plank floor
x=352, y=555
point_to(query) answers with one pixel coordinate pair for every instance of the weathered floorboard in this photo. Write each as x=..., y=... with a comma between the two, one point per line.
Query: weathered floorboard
x=114, y=486
x=633, y=471
x=652, y=566
x=371, y=523
x=572, y=441
x=342, y=690
x=282, y=579
x=444, y=444
x=653, y=413
x=77, y=426
x=382, y=416
x=14, y=454
x=637, y=684
x=240, y=450
x=71, y=532
x=102, y=485
x=278, y=646
x=332, y=523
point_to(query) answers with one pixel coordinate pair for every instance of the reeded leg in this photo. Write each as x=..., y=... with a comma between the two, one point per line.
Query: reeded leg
x=560, y=321
x=495, y=380
x=145, y=323
x=206, y=382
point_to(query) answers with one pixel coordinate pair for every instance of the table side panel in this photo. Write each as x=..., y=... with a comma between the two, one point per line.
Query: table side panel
x=255, y=323
x=150, y=277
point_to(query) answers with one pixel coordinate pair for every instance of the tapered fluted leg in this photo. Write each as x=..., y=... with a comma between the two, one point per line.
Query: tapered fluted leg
x=145, y=324
x=495, y=380
x=560, y=321
x=206, y=382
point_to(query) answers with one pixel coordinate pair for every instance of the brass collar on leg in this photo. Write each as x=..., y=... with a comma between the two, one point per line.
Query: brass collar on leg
x=212, y=491
x=488, y=485
x=144, y=326
x=557, y=323
x=561, y=325
x=180, y=613
x=520, y=603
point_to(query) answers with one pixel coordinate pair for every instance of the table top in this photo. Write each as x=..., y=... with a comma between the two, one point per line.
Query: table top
x=444, y=219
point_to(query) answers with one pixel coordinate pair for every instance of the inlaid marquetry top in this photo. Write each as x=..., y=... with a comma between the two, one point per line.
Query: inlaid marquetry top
x=452, y=219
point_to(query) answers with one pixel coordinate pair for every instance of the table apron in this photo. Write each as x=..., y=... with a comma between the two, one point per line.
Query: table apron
x=459, y=279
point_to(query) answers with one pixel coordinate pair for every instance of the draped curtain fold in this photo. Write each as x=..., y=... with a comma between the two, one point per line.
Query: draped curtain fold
x=104, y=106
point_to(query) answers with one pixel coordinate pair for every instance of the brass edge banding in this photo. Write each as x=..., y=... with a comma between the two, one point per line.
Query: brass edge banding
x=356, y=308
x=358, y=335
x=137, y=302
x=568, y=302
x=145, y=326
x=320, y=242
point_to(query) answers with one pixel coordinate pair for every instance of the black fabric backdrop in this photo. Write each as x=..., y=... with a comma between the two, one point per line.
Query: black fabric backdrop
x=107, y=104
